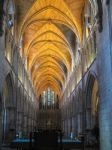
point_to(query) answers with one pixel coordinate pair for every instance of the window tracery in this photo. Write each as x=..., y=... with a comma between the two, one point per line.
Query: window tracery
x=9, y=33
x=48, y=99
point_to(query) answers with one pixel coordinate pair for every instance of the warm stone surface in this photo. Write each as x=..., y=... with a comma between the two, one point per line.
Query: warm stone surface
x=85, y=102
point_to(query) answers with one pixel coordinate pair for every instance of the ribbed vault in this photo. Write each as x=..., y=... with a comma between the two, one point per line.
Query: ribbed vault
x=47, y=52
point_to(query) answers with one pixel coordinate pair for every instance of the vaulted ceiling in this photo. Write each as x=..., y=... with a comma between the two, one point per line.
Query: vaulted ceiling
x=46, y=45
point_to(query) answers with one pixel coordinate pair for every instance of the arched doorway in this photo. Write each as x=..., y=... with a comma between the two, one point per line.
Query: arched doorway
x=95, y=104
x=92, y=109
x=80, y=112
x=8, y=111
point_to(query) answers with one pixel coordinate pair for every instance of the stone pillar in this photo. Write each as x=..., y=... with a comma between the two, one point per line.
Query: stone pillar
x=29, y=119
x=19, y=123
x=105, y=84
x=8, y=124
x=22, y=116
x=110, y=23
x=25, y=125
x=1, y=117
x=25, y=118
x=66, y=124
x=1, y=17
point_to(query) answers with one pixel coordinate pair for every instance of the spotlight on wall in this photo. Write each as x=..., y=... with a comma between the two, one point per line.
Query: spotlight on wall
x=79, y=50
x=10, y=23
x=89, y=25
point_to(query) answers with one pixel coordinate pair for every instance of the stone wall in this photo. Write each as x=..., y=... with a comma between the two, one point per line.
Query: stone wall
x=105, y=80
x=102, y=70
x=20, y=116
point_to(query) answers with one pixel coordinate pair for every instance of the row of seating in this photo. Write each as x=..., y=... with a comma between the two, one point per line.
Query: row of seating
x=46, y=139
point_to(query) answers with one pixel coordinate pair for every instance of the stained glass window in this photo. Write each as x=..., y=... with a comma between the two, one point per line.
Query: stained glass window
x=49, y=99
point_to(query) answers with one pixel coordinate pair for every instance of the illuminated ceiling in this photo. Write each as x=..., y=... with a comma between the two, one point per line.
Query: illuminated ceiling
x=47, y=51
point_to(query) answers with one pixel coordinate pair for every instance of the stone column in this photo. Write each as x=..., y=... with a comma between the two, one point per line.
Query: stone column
x=105, y=84
x=8, y=124
x=19, y=123
x=1, y=117
x=25, y=118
